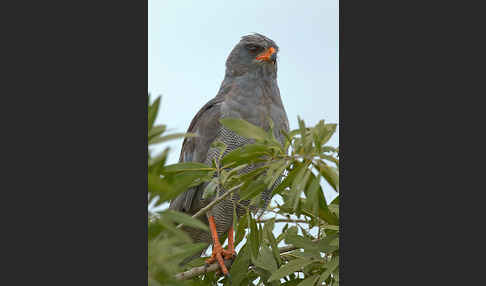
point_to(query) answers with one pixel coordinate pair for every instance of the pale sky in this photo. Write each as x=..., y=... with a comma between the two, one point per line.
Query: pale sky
x=189, y=41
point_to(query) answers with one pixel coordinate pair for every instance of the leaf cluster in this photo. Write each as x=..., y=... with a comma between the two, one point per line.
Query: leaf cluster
x=298, y=171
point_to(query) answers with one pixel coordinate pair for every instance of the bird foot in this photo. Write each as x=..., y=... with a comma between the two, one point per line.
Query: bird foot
x=229, y=254
x=218, y=254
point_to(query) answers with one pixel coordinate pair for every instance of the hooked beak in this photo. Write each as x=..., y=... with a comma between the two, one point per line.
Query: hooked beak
x=269, y=55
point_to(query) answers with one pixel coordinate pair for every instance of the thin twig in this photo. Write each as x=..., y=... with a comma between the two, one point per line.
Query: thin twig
x=196, y=271
x=217, y=200
x=283, y=220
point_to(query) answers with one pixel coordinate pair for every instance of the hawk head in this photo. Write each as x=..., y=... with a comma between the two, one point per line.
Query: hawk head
x=253, y=54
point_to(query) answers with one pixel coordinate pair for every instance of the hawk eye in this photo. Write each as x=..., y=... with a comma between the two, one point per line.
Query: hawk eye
x=252, y=47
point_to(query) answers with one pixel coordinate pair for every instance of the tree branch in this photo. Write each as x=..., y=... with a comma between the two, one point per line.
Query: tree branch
x=284, y=220
x=196, y=271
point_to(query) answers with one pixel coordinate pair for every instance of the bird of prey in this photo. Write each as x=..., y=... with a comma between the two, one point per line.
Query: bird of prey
x=249, y=91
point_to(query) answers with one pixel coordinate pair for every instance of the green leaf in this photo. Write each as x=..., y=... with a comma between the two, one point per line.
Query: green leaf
x=250, y=176
x=156, y=185
x=220, y=146
x=200, y=261
x=309, y=281
x=289, y=179
x=154, y=229
x=235, y=219
x=153, y=109
x=244, y=128
x=187, y=166
x=302, y=128
x=326, y=149
x=169, y=227
x=266, y=260
x=281, y=236
x=239, y=269
x=334, y=208
x=316, y=197
x=324, y=212
x=232, y=177
x=292, y=230
x=156, y=131
x=251, y=190
x=187, y=250
x=210, y=189
x=240, y=230
x=336, y=276
x=329, y=173
x=156, y=140
x=298, y=186
x=305, y=232
x=273, y=244
x=184, y=219
x=169, y=187
x=329, y=131
x=301, y=242
x=275, y=171
x=332, y=227
x=291, y=267
x=331, y=266
x=288, y=138
x=245, y=154
x=159, y=160
x=312, y=194
x=328, y=244
x=253, y=237
x=330, y=158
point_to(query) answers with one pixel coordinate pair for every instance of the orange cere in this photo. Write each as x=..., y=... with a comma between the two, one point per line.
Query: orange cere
x=266, y=54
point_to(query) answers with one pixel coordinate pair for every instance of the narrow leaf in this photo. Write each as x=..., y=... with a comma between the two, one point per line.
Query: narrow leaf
x=331, y=266
x=309, y=281
x=244, y=128
x=240, y=230
x=239, y=269
x=185, y=219
x=330, y=174
x=156, y=130
x=152, y=112
x=210, y=189
x=156, y=140
x=291, y=267
x=254, y=188
x=187, y=166
x=245, y=154
x=266, y=260
x=253, y=237
x=273, y=244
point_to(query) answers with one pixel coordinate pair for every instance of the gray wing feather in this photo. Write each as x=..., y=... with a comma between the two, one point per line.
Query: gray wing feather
x=194, y=149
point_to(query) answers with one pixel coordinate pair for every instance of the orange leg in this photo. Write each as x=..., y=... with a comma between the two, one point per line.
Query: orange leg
x=218, y=251
x=228, y=254
x=217, y=248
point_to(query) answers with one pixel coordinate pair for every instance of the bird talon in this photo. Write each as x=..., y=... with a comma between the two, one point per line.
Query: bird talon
x=229, y=254
x=210, y=260
x=217, y=255
x=229, y=278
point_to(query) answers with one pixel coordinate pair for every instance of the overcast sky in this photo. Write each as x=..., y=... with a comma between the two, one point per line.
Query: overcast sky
x=189, y=41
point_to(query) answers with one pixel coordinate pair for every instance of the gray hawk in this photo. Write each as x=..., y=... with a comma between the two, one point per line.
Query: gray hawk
x=249, y=91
